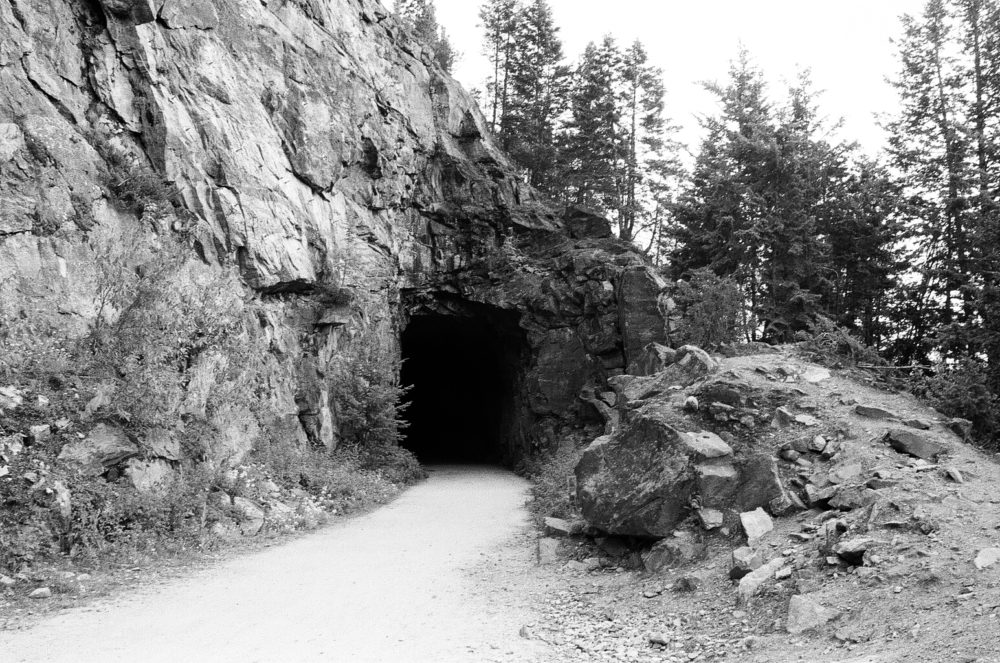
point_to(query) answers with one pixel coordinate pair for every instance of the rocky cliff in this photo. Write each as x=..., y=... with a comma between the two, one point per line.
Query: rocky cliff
x=313, y=148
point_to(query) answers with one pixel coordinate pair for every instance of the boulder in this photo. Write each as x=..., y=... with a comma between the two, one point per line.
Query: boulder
x=760, y=484
x=104, y=447
x=751, y=583
x=745, y=560
x=582, y=223
x=717, y=484
x=654, y=359
x=640, y=480
x=914, y=445
x=640, y=291
x=805, y=614
x=250, y=517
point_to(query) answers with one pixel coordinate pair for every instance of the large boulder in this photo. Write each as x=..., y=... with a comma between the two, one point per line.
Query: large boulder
x=104, y=447
x=640, y=480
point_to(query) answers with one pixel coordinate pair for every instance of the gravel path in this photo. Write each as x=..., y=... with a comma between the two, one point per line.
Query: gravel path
x=442, y=574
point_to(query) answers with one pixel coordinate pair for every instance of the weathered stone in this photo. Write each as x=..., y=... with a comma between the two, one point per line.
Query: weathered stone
x=790, y=455
x=148, y=475
x=691, y=404
x=872, y=412
x=987, y=558
x=783, y=417
x=163, y=444
x=717, y=484
x=250, y=517
x=914, y=445
x=804, y=614
x=582, y=223
x=760, y=484
x=852, y=498
x=853, y=550
x=689, y=583
x=6, y=582
x=41, y=593
x=103, y=447
x=816, y=374
x=818, y=444
x=919, y=424
x=671, y=553
x=10, y=397
x=756, y=525
x=641, y=322
x=548, y=551
x=954, y=474
x=961, y=427
x=747, y=558
x=708, y=446
x=751, y=583
x=654, y=359
x=848, y=472
x=560, y=527
x=40, y=434
x=818, y=496
x=639, y=480
x=711, y=519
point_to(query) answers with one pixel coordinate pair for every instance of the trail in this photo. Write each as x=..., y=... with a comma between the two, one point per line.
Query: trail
x=442, y=574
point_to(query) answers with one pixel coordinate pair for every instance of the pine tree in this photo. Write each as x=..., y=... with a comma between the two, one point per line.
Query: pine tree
x=499, y=23
x=421, y=17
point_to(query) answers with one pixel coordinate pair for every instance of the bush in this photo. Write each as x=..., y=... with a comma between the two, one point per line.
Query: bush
x=826, y=343
x=711, y=309
x=552, y=473
x=132, y=183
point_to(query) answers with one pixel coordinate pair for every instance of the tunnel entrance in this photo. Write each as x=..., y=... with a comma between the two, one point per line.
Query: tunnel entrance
x=464, y=373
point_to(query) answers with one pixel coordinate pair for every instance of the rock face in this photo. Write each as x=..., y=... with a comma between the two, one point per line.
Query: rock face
x=317, y=147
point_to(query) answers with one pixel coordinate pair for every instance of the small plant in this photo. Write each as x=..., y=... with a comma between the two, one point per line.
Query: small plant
x=132, y=182
x=962, y=389
x=552, y=473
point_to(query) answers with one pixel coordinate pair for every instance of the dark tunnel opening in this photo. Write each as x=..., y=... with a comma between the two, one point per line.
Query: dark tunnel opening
x=463, y=375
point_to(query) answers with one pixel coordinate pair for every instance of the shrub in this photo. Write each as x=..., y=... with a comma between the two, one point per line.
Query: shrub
x=132, y=183
x=552, y=473
x=711, y=309
x=826, y=343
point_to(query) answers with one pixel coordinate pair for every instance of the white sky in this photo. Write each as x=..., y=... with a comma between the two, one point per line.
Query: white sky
x=846, y=43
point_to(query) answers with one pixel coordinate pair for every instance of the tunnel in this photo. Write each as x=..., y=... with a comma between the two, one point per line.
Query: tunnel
x=463, y=374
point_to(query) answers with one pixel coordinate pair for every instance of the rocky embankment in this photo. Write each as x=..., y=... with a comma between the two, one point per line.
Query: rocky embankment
x=778, y=511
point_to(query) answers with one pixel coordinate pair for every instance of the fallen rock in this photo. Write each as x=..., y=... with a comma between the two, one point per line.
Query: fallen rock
x=711, y=519
x=804, y=614
x=691, y=404
x=10, y=398
x=919, y=424
x=41, y=593
x=250, y=517
x=6, y=583
x=751, y=583
x=148, y=475
x=875, y=412
x=745, y=560
x=548, y=551
x=756, y=525
x=707, y=445
x=104, y=447
x=717, y=484
x=914, y=445
x=816, y=374
x=846, y=473
x=40, y=434
x=760, y=484
x=954, y=474
x=853, y=550
x=852, y=498
x=560, y=527
x=654, y=359
x=961, y=427
x=672, y=553
x=987, y=558
x=689, y=583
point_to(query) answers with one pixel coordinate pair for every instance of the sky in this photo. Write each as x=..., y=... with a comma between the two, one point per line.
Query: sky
x=846, y=44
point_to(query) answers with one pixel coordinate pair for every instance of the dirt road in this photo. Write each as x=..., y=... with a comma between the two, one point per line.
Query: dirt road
x=442, y=574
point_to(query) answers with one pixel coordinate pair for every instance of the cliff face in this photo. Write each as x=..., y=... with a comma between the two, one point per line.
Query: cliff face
x=312, y=146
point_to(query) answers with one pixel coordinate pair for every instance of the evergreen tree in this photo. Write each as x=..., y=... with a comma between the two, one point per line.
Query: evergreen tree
x=421, y=17
x=499, y=23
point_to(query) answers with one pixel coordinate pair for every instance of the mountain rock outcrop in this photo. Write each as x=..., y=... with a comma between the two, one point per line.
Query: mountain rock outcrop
x=313, y=148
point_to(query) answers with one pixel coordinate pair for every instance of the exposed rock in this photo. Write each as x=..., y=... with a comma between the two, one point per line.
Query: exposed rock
x=853, y=550
x=671, y=553
x=987, y=558
x=852, y=498
x=582, y=223
x=760, y=484
x=560, y=527
x=751, y=583
x=816, y=374
x=756, y=525
x=654, y=359
x=954, y=474
x=6, y=582
x=961, y=427
x=707, y=446
x=548, y=551
x=919, y=424
x=746, y=559
x=711, y=519
x=40, y=434
x=848, y=472
x=103, y=447
x=148, y=475
x=691, y=404
x=10, y=397
x=41, y=593
x=641, y=322
x=250, y=517
x=875, y=412
x=689, y=583
x=163, y=444
x=804, y=614
x=914, y=445
x=717, y=484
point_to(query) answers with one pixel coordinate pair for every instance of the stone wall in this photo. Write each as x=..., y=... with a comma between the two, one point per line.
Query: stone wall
x=313, y=144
